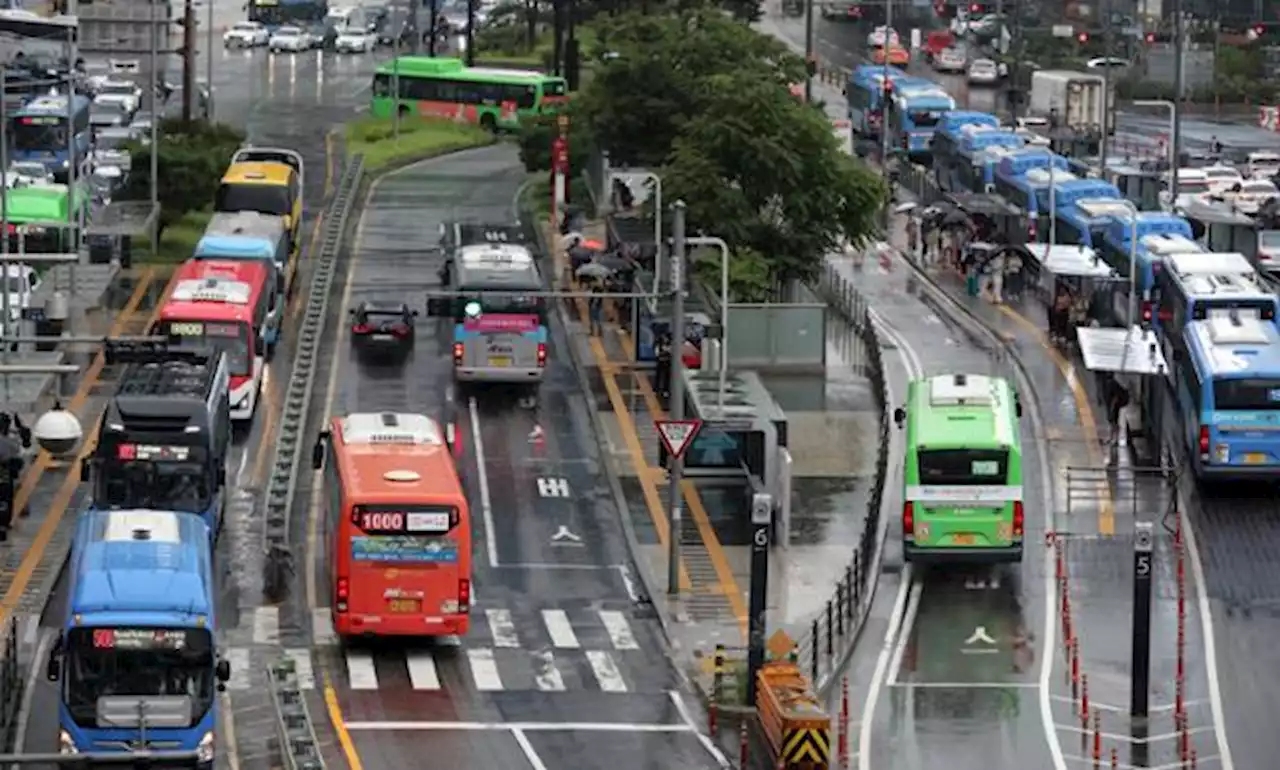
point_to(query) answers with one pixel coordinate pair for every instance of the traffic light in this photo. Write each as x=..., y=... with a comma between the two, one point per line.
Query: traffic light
x=1150, y=38
x=1082, y=38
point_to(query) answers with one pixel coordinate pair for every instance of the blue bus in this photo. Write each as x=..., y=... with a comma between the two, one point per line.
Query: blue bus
x=1228, y=389
x=1158, y=235
x=917, y=107
x=951, y=129
x=1074, y=226
x=974, y=163
x=865, y=97
x=276, y=13
x=137, y=656
x=40, y=132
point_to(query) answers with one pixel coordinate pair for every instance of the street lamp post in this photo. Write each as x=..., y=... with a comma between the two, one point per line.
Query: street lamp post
x=155, y=122
x=718, y=243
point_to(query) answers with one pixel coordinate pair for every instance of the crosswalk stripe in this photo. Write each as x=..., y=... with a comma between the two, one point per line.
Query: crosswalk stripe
x=484, y=669
x=266, y=625
x=301, y=657
x=606, y=671
x=547, y=676
x=322, y=632
x=503, y=628
x=238, y=659
x=422, y=670
x=619, y=630
x=561, y=631
x=360, y=670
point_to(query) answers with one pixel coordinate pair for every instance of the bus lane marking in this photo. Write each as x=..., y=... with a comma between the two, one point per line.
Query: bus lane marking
x=560, y=630
x=615, y=623
x=484, y=669
x=482, y=476
x=361, y=674
x=422, y=670
x=503, y=628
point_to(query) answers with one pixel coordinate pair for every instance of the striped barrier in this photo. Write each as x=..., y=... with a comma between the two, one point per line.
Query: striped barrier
x=794, y=724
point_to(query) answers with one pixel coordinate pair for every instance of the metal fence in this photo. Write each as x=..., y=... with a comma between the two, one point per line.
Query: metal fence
x=299, y=749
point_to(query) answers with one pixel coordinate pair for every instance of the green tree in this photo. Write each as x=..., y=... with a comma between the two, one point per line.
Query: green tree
x=538, y=132
x=191, y=158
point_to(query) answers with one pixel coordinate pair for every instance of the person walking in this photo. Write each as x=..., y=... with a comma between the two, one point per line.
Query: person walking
x=595, y=310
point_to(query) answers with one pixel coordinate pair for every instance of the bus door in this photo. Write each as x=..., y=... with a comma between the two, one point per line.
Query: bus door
x=266, y=317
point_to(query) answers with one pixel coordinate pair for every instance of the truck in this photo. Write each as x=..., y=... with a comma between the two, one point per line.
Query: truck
x=1077, y=98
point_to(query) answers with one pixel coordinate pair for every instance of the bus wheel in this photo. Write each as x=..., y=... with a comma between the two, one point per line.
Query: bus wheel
x=404, y=111
x=489, y=123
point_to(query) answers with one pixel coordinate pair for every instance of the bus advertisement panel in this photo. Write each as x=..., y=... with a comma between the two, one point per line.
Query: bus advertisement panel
x=399, y=528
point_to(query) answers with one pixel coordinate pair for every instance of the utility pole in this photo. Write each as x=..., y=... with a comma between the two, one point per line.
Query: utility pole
x=557, y=37
x=435, y=24
x=155, y=122
x=1175, y=141
x=1140, y=662
x=572, y=65
x=471, y=30
x=415, y=29
x=810, y=55
x=1106, y=84
x=676, y=468
x=208, y=67
x=188, y=59
x=886, y=96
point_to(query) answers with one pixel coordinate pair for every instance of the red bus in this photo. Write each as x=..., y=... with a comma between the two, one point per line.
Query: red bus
x=399, y=528
x=227, y=303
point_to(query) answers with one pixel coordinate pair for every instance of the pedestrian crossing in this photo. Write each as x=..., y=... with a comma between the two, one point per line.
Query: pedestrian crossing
x=562, y=650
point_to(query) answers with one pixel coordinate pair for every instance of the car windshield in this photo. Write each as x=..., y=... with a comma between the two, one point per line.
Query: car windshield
x=1258, y=188
x=117, y=662
x=1269, y=239
x=288, y=32
x=233, y=338
x=1193, y=186
x=118, y=89
x=113, y=140
x=245, y=27
x=14, y=284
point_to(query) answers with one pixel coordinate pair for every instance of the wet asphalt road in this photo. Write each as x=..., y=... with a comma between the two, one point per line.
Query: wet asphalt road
x=960, y=687
x=289, y=101
x=616, y=672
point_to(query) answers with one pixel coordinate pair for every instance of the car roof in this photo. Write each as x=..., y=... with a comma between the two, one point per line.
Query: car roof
x=375, y=306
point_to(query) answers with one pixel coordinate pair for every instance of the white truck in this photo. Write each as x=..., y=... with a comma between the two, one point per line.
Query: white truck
x=1079, y=99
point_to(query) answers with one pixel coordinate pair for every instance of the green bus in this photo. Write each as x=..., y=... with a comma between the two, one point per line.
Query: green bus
x=37, y=216
x=962, y=496
x=444, y=87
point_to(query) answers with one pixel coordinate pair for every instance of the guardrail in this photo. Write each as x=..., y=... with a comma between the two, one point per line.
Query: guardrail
x=299, y=749
x=795, y=726
x=278, y=563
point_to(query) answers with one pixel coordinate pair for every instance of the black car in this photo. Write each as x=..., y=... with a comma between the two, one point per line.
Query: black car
x=383, y=324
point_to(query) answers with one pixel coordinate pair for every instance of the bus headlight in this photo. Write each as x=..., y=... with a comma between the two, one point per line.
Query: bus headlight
x=204, y=751
x=65, y=744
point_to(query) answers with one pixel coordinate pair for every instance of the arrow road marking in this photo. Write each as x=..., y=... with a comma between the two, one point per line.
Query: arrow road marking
x=564, y=537
x=979, y=636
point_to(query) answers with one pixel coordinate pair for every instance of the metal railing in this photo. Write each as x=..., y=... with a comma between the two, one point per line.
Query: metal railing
x=299, y=749
x=278, y=564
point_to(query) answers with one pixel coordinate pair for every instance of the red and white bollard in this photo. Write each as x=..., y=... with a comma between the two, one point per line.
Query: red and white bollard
x=743, y=744
x=843, y=748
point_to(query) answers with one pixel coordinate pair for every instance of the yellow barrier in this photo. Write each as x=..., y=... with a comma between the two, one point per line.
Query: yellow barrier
x=797, y=729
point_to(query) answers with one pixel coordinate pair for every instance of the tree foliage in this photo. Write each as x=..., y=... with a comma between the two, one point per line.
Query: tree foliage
x=191, y=158
x=705, y=99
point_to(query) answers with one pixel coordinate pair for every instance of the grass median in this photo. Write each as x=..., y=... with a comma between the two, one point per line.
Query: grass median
x=177, y=242
x=418, y=138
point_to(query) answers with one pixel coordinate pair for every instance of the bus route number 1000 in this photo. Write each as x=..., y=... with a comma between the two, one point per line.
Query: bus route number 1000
x=382, y=521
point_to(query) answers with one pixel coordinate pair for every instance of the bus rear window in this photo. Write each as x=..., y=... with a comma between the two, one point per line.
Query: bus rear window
x=1246, y=395
x=554, y=88
x=263, y=198
x=972, y=467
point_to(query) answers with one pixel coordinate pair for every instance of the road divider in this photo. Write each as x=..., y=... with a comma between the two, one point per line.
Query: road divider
x=796, y=728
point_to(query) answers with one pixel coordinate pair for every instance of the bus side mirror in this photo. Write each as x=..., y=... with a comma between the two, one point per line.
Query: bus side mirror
x=415, y=313
x=1017, y=406
x=53, y=668
x=317, y=451
x=223, y=670
x=899, y=416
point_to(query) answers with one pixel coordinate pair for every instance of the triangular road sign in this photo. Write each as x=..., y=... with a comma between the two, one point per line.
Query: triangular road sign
x=677, y=435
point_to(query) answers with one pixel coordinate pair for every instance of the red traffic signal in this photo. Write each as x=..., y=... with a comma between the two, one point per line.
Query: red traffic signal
x=975, y=8
x=1082, y=38
x=1151, y=38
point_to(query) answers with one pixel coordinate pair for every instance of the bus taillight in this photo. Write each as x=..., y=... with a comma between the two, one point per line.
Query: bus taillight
x=464, y=595
x=344, y=593
x=1204, y=443
x=1146, y=312
x=1019, y=519
x=908, y=519
x=542, y=354
x=457, y=353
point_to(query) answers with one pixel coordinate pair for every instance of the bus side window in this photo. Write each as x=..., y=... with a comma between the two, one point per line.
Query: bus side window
x=382, y=85
x=528, y=99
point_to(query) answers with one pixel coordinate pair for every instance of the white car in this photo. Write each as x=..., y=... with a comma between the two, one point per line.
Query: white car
x=1251, y=195
x=21, y=282
x=126, y=93
x=950, y=60
x=983, y=72
x=246, y=34
x=289, y=39
x=355, y=40
x=24, y=173
x=1222, y=177
x=879, y=35
x=1263, y=164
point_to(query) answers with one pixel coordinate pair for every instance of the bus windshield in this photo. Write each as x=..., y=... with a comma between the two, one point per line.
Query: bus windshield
x=924, y=118
x=137, y=662
x=168, y=478
x=263, y=198
x=40, y=133
x=969, y=467
x=1246, y=395
x=231, y=336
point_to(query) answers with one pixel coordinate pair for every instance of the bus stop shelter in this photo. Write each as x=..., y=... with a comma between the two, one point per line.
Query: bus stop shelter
x=115, y=229
x=1132, y=358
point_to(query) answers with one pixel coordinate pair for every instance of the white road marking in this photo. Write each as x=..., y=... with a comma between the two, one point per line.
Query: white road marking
x=322, y=631
x=301, y=657
x=560, y=630
x=553, y=487
x=629, y=582
x=360, y=671
x=705, y=740
x=619, y=630
x=482, y=473
x=904, y=636
x=882, y=666
x=484, y=669
x=967, y=686
x=266, y=625
x=422, y=670
x=523, y=740
x=24, y=709
x=546, y=676
x=238, y=658
x=606, y=671
x=528, y=727
x=503, y=628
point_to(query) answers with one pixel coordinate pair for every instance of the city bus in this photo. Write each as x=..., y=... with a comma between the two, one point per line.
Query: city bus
x=137, y=656
x=444, y=87
x=255, y=236
x=53, y=130
x=227, y=305
x=1228, y=389
x=963, y=470
x=44, y=219
x=500, y=334
x=1195, y=287
x=915, y=109
x=865, y=98
x=268, y=180
x=165, y=436
x=398, y=527
x=971, y=168
x=953, y=127
x=276, y=13
x=1158, y=236
x=1075, y=227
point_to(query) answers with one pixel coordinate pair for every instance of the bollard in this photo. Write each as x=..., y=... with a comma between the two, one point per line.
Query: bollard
x=742, y=746
x=1075, y=669
x=844, y=722
x=848, y=592
x=831, y=630
x=857, y=580
x=815, y=634
x=840, y=605
x=1084, y=700
x=1066, y=613
x=1115, y=759
x=1193, y=758
x=1097, y=739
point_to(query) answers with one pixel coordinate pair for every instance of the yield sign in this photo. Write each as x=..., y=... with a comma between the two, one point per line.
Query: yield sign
x=677, y=434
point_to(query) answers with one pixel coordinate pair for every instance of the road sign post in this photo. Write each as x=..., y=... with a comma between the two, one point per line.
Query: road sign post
x=1143, y=567
x=761, y=519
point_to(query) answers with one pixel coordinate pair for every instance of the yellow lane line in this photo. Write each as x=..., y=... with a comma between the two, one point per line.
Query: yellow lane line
x=62, y=499
x=1084, y=410
x=340, y=726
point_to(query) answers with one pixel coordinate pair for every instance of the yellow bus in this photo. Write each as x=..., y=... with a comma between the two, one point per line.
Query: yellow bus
x=267, y=180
